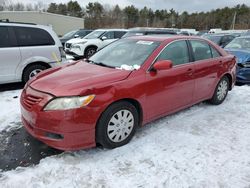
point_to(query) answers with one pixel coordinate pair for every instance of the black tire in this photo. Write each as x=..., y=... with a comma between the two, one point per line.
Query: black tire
x=102, y=136
x=217, y=98
x=89, y=52
x=28, y=71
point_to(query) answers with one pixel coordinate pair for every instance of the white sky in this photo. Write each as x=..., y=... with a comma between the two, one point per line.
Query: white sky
x=179, y=5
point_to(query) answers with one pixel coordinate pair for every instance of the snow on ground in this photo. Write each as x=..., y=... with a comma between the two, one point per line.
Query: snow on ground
x=9, y=109
x=203, y=146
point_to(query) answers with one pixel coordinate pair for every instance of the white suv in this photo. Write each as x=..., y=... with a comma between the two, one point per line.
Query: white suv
x=87, y=46
x=27, y=49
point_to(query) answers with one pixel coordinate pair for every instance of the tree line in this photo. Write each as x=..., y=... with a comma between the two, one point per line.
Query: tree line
x=97, y=15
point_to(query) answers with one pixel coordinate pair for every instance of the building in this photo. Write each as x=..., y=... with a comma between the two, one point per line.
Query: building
x=61, y=24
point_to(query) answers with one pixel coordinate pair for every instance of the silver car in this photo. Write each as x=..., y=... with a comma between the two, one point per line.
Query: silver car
x=27, y=49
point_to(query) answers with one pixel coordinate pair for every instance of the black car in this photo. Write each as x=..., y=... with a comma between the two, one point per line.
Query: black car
x=221, y=39
x=74, y=34
x=149, y=31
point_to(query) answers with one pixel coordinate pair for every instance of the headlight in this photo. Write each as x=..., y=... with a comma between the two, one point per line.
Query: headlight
x=66, y=103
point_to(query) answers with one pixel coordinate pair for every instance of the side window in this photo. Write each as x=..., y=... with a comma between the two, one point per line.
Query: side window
x=81, y=33
x=119, y=34
x=201, y=50
x=109, y=35
x=4, y=37
x=215, y=53
x=27, y=36
x=177, y=52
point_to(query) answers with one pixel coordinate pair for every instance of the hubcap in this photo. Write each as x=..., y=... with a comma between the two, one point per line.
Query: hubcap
x=120, y=125
x=222, y=90
x=34, y=72
x=90, y=52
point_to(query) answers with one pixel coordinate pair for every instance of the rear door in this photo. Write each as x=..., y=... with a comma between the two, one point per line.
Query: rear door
x=207, y=61
x=172, y=89
x=36, y=44
x=9, y=53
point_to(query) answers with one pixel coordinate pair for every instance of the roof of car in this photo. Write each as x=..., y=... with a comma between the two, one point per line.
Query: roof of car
x=219, y=34
x=162, y=38
x=111, y=30
x=24, y=25
x=247, y=36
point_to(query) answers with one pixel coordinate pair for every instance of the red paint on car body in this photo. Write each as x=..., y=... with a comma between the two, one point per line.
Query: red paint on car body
x=157, y=93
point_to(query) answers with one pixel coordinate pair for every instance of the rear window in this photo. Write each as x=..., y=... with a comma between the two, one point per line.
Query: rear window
x=201, y=50
x=27, y=36
x=4, y=37
x=119, y=34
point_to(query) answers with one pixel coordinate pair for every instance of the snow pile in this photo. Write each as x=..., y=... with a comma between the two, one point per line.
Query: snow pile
x=10, y=110
x=129, y=67
x=203, y=146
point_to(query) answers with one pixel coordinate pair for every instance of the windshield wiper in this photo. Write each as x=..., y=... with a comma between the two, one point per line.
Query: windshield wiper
x=99, y=63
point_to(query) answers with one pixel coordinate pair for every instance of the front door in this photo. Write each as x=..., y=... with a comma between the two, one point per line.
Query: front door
x=172, y=89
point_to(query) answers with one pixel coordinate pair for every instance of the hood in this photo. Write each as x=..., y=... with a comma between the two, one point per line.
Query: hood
x=76, y=40
x=243, y=56
x=76, y=78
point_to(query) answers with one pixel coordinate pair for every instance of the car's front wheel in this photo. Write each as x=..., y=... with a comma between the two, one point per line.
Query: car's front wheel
x=220, y=92
x=117, y=125
x=89, y=52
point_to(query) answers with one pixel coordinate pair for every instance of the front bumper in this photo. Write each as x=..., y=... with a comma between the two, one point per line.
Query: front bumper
x=72, y=55
x=64, y=130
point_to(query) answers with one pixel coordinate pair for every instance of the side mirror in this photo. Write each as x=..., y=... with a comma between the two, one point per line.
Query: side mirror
x=76, y=36
x=104, y=38
x=163, y=65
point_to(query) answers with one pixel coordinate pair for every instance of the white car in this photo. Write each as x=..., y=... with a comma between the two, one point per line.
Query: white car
x=26, y=50
x=87, y=46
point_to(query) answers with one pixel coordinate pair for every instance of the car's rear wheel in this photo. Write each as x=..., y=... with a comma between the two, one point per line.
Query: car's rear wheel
x=117, y=125
x=32, y=71
x=220, y=92
x=89, y=52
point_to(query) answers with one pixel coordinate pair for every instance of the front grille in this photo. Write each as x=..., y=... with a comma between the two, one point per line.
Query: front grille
x=68, y=45
x=30, y=100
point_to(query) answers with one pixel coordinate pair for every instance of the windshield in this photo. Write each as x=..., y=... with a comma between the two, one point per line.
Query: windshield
x=126, y=54
x=215, y=39
x=239, y=43
x=94, y=34
x=69, y=34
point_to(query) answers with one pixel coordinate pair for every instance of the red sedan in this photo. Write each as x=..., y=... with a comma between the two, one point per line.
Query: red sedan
x=127, y=84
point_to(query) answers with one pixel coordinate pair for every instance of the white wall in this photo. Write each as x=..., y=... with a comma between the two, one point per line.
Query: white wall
x=60, y=24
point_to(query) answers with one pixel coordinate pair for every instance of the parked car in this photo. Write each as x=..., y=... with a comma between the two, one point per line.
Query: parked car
x=131, y=82
x=221, y=39
x=240, y=47
x=87, y=46
x=148, y=31
x=27, y=49
x=202, y=32
x=185, y=33
x=80, y=33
